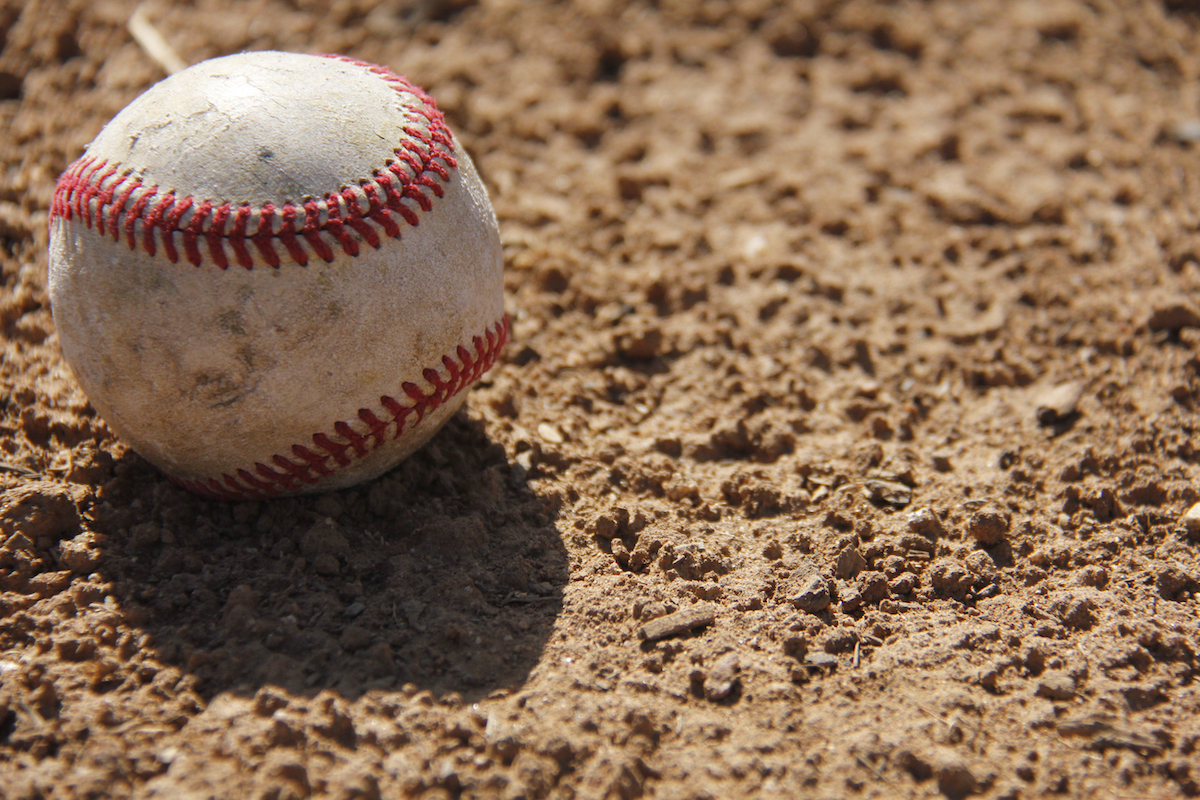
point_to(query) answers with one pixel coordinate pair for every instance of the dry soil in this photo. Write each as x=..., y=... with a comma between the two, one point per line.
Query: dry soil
x=861, y=336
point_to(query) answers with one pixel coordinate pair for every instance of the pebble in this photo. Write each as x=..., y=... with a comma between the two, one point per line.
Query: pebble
x=849, y=563
x=1190, y=522
x=1173, y=315
x=796, y=646
x=1058, y=403
x=641, y=344
x=324, y=538
x=79, y=554
x=954, y=777
x=1184, y=130
x=39, y=510
x=812, y=594
x=925, y=522
x=851, y=599
x=891, y=492
x=840, y=640
x=550, y=434
x=1056, y=687
x=950, y=577
x=981, y=564
x=988, y=527
x=893, y=565
x=1092, y=575
x=821, y=660
x=723, y=678
x=874, y=587
x=903, y=583
x=1172, y=580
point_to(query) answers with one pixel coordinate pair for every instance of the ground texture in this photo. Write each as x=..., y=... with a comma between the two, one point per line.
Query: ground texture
x=861, y=337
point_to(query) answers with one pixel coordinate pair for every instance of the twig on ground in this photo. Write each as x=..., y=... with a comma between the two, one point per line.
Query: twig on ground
x=150, y=40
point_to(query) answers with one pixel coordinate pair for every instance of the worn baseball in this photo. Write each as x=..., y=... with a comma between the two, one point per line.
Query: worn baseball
x=275, y=273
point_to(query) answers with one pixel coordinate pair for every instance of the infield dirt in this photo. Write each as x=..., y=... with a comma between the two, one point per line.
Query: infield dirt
x=842, y=449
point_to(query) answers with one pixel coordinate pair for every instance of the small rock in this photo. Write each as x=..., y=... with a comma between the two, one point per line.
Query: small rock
x=849, y=563
x=988, y=527
x=840, y=640
x=981, y=564
x=821, y=661
x=812, y=594
x=47, y=584
x=354, y=609
x=954, y=777
x=891, y=492
x=354, y=638
x=1172, y=580
x=1172, y=315
x=903, y=583
x=951, y=578
x=1184, y=130
x=722, y=678
x=1058, y=404
x=640, y=344
x=1190, y=523
x=1056, y=687
x=873, y=586
x=381, y=652
x=612, y=523
x=80, y=554
x=1075, y=613
x=914, y=765
x=925, y=522
x=941, y=460
x=413, y=612
x=988, y=677
x=796, y=647
x=550, y=434
x=851, y=599
x=1092, y=575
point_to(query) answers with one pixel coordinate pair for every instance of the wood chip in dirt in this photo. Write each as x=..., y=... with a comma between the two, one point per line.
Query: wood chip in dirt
x=681, y=621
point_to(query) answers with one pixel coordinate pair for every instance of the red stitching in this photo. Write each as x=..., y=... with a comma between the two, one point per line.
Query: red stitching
x=100, y=193
x=308, y=466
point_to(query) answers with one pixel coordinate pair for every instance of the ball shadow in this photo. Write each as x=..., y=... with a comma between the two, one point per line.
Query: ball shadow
x=446, y=574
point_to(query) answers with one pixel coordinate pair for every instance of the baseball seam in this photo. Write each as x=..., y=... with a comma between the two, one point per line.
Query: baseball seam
x=114, y=201
x=342, y=444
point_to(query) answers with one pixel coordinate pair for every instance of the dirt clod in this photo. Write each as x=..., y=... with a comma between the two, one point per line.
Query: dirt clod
x=988, y=527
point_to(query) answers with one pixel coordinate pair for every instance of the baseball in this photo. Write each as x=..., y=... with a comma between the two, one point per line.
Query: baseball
x=275, y=274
